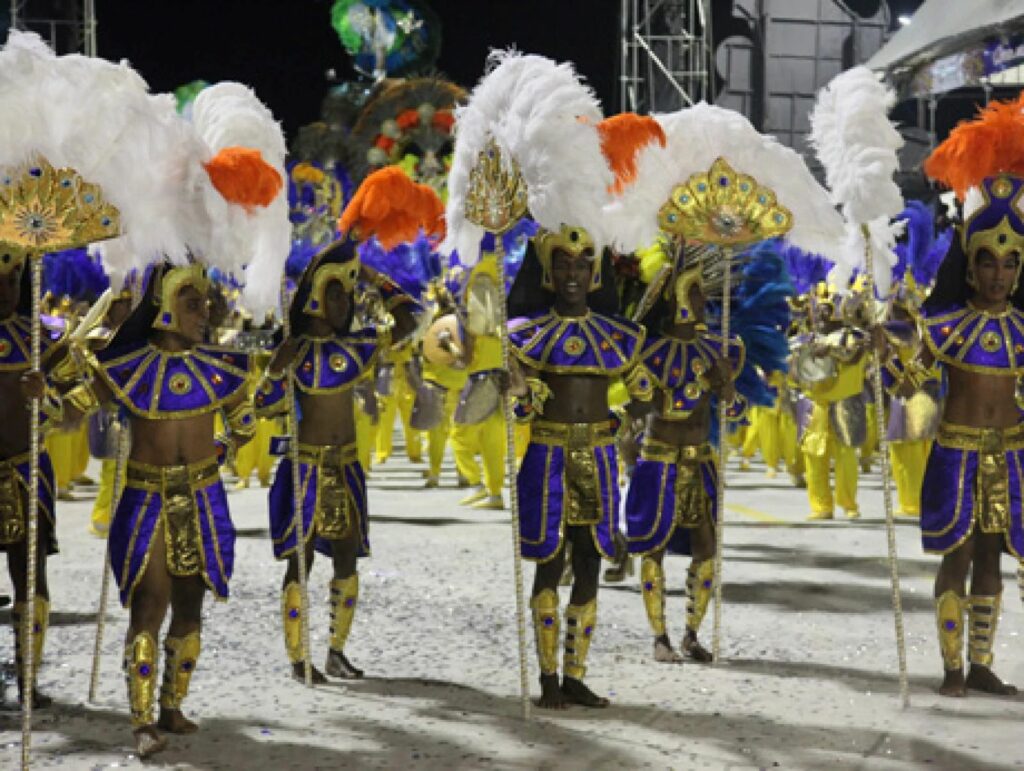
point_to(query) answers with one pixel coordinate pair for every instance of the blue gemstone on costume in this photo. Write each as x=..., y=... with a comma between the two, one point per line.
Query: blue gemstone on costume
x=778, y=218
x=723, y=181
x=950, y=625
x=186, y=666
x=314, y=304
x=707, y=584
x=548, y=621
x=648, y=586
x=65, y=183
x=588, y=630
x=35, y=171
x=762, y=199
x=145, y=669
x=350, y=601
x=88, y=198
x=105, y=221
x=166, y=317
x=293, y=613
x=702, y=187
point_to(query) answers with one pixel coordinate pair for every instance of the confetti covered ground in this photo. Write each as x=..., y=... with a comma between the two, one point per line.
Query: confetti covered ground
x=808, y=676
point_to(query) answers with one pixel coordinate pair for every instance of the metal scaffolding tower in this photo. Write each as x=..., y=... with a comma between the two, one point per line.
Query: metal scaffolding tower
x=69, y=26
x=665, y=54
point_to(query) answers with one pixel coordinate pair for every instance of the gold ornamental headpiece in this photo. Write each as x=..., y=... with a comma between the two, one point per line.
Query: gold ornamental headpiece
x=346, y=272
x=724, y=208
x=496, y=196
x=574, y=241
x=43, y=210
x=170, y=286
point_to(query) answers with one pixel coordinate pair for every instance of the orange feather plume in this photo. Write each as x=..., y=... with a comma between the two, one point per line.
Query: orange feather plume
x=389, y=205
x=242, y=176
x=623, y=136
x=990, y=144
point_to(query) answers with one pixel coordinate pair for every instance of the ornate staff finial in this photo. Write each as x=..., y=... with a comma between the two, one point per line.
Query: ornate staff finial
x=496, y=196
x=43, y=209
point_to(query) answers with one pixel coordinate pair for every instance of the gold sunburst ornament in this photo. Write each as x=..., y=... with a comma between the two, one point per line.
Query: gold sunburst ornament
x=725, y=208
x=43, y=209
x=496, y=198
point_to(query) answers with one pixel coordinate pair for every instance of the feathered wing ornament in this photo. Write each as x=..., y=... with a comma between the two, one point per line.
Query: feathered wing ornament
x=543, y=121
x=697, y=137
x=857, y=143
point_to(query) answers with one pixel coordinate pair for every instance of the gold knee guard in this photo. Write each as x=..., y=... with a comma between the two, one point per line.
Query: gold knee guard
x=982, y=618
x=580, y=621
x=291, y=620
x=180, y=657
x=546, y=629
x=140, y=672
x=40, y=622
x=344, y=596
x=949, y=615
x=699, y=585
x=652, y=584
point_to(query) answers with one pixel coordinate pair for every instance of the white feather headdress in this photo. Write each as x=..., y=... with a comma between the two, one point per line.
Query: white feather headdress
x=543, y=119
x=696, y=137
x=98, y=118
x=857, y=143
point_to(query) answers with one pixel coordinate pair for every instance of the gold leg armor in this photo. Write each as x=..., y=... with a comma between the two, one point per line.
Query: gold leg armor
x=344, y=596
x=699, y=586
x=580, y=621
x=546, y=629
x=180, y=657
x=652, y=584
x=40, y=621
x=982, y=618
x=949, y=614
x=140, y=672
x=291, y=620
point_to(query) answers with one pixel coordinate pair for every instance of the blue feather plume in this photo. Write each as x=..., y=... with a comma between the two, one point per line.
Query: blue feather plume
x=922, y=251
x=74, y=273
x=514, y=242
x=410, y=265
x=805, y=270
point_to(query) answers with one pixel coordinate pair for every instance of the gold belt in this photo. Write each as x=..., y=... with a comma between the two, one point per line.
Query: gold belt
x=328, y=454
x=597, y=434
x=192, y=475
x=668, y=453
x=981, y=439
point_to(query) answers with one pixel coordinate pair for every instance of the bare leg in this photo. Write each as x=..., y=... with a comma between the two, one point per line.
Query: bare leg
x=952, y=577
x=545, y=579
x=586, y=567
x=703, y=545
x=986, y=581
x=146, y=613
x=17, y=568
x=291, y=576
x=186, y=617
x=344, y=595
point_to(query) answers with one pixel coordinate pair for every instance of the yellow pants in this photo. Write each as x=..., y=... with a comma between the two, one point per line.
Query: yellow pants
x=821, y=448
x=908, y=462
x=789, y=446
x=401, y=401
x=256, y=454
x=69, y=451
x=488, y=439
x=763, y=434
x=870, y=446
x=437, y=437
x=366, y=438
x=104, y=497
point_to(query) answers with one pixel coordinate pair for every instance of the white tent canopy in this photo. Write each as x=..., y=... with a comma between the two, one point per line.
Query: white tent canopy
x=940, y=27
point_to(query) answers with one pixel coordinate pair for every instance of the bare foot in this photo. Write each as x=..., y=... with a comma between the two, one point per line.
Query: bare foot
x=299, y=673
x=663, y=651
x=953, y=683
x=174, y=722
x=575, y=692
x=339, y=666
x=983, y=679
x=148, y=741
x=551, y=696
x=693, y=649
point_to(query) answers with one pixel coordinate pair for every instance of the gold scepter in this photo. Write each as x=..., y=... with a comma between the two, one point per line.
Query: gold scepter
x=729, y=211
x=496, y=200
x=44, y=210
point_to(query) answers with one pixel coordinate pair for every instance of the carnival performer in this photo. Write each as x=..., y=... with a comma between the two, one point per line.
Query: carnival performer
x=329, y=358
x=568, y=352
x=973, y=327
x=397, y=374
x=17, y=386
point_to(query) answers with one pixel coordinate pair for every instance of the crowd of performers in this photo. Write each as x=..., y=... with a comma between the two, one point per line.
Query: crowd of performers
x=617, y=368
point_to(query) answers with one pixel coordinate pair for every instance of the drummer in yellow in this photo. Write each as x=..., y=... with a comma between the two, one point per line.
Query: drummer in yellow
x=397, y=396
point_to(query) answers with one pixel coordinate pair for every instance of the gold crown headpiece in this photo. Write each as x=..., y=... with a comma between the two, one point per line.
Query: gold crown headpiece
x=571, y=240
x=170, y=286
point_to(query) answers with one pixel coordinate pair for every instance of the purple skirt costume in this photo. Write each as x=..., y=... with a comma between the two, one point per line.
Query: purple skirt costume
x=190, y=504
x=333, y=493
x=14, y=481
x=672, y=490
x=568, y=478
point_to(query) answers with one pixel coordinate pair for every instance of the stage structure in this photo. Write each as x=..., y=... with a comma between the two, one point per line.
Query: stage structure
x=665, y=54
x=69, y=26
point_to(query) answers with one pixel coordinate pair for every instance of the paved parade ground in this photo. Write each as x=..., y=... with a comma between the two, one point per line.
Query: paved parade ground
x=807, y=680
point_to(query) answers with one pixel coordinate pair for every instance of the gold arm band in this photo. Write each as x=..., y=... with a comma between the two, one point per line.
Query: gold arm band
x=241, y=420
x=639, y=383
x=83, y=398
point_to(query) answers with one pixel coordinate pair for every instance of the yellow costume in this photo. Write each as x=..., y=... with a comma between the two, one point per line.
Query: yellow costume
x=452, y=380
x=400, y=400
x=70, y=453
